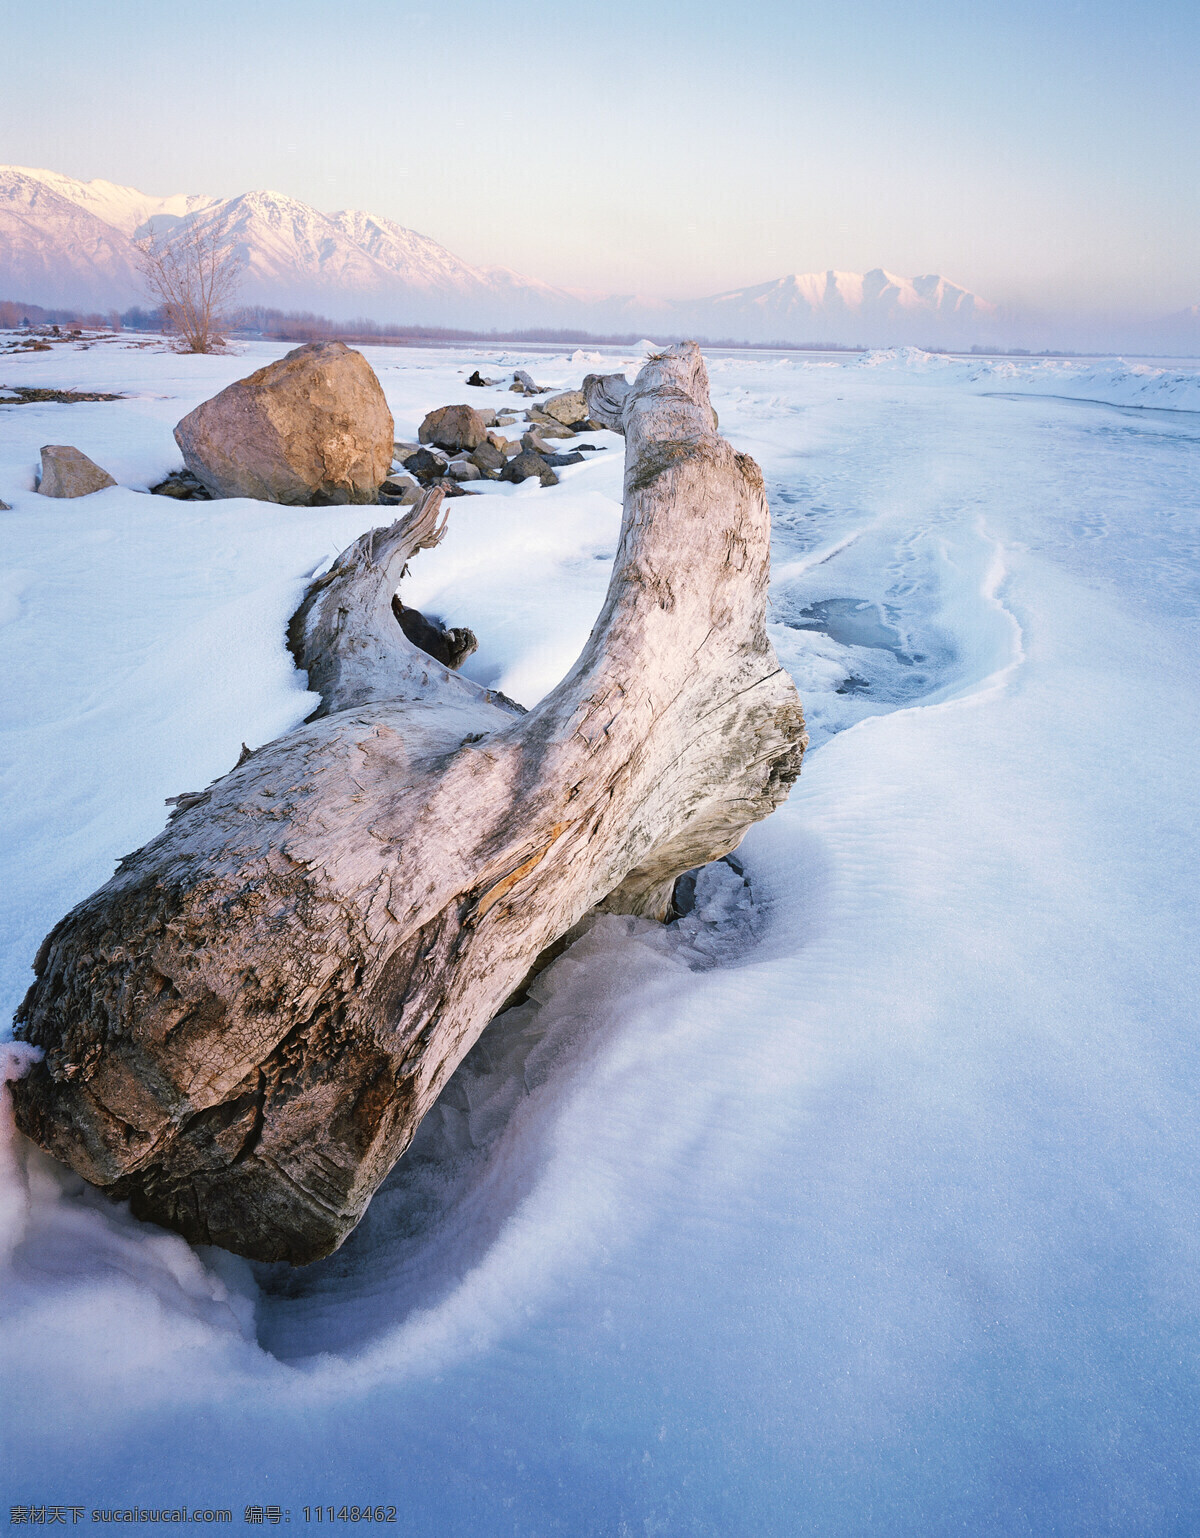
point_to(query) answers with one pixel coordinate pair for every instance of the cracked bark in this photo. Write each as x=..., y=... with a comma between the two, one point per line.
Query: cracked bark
x=245, y=1026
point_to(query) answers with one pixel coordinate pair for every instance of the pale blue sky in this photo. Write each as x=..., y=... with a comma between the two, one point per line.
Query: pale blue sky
x=1043, y=154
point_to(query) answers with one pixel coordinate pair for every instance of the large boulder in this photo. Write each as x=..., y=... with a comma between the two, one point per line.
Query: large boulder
x=458, y=429
x=67, y=472
x=311, y=430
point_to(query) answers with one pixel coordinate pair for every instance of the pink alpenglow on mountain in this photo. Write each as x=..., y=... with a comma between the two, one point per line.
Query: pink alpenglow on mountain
x=845, y=307
x=70, y=243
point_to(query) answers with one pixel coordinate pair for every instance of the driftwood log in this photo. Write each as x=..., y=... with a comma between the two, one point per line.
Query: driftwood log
x=244, y=1027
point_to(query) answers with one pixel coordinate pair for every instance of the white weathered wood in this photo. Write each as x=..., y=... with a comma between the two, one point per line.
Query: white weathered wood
x=245, y=1026
x=345, y=636
x=605, y=395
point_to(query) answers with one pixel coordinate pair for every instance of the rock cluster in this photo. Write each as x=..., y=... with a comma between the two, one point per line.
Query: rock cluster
x=460, y=443
x=312, y=429
x=423, y=467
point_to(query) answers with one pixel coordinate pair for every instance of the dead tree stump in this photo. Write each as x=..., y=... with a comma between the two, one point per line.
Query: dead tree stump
x=244, y=1027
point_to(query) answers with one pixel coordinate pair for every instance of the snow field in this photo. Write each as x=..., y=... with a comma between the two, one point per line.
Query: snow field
x=859, y=1201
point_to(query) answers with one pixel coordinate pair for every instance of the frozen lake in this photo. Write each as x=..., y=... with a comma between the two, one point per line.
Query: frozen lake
x=862, y=1200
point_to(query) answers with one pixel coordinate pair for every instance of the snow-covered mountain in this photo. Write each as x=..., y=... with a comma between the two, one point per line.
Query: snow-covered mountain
x=868, y=307
x=125, y=208
x=56, y=251
x=67, y=242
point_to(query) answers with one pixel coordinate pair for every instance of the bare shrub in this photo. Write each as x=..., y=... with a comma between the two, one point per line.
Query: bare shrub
x=194, y=271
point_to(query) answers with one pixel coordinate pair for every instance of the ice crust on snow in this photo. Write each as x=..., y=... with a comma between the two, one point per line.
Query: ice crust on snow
x=858, y=1200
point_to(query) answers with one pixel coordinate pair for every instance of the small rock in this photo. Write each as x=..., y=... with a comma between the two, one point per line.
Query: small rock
x=548, y=426
x=425, y=465
x=395, y=484
x=401, y=451
x=454, y=428
x=563, y=459
x=409, y=496
x=532, y=444
x=400, y=491
x=527, y=464
x=464, y=470
x=183, y=486
x=4, y=506
x=505, y=419
x=488, y=458
x=66, y=472
x=568, y=408
x=523, y=385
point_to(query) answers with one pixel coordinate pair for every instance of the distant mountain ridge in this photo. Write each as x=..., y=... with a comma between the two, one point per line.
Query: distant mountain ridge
x=850, y=306
x=66, y=243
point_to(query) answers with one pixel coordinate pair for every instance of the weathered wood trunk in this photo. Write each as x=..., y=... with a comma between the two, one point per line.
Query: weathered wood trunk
x=243, y=1029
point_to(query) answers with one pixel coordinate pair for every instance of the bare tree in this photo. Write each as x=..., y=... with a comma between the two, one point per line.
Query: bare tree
x=194, y=272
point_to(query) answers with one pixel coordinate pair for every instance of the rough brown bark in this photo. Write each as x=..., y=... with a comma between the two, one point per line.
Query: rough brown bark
x=243, y=1029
